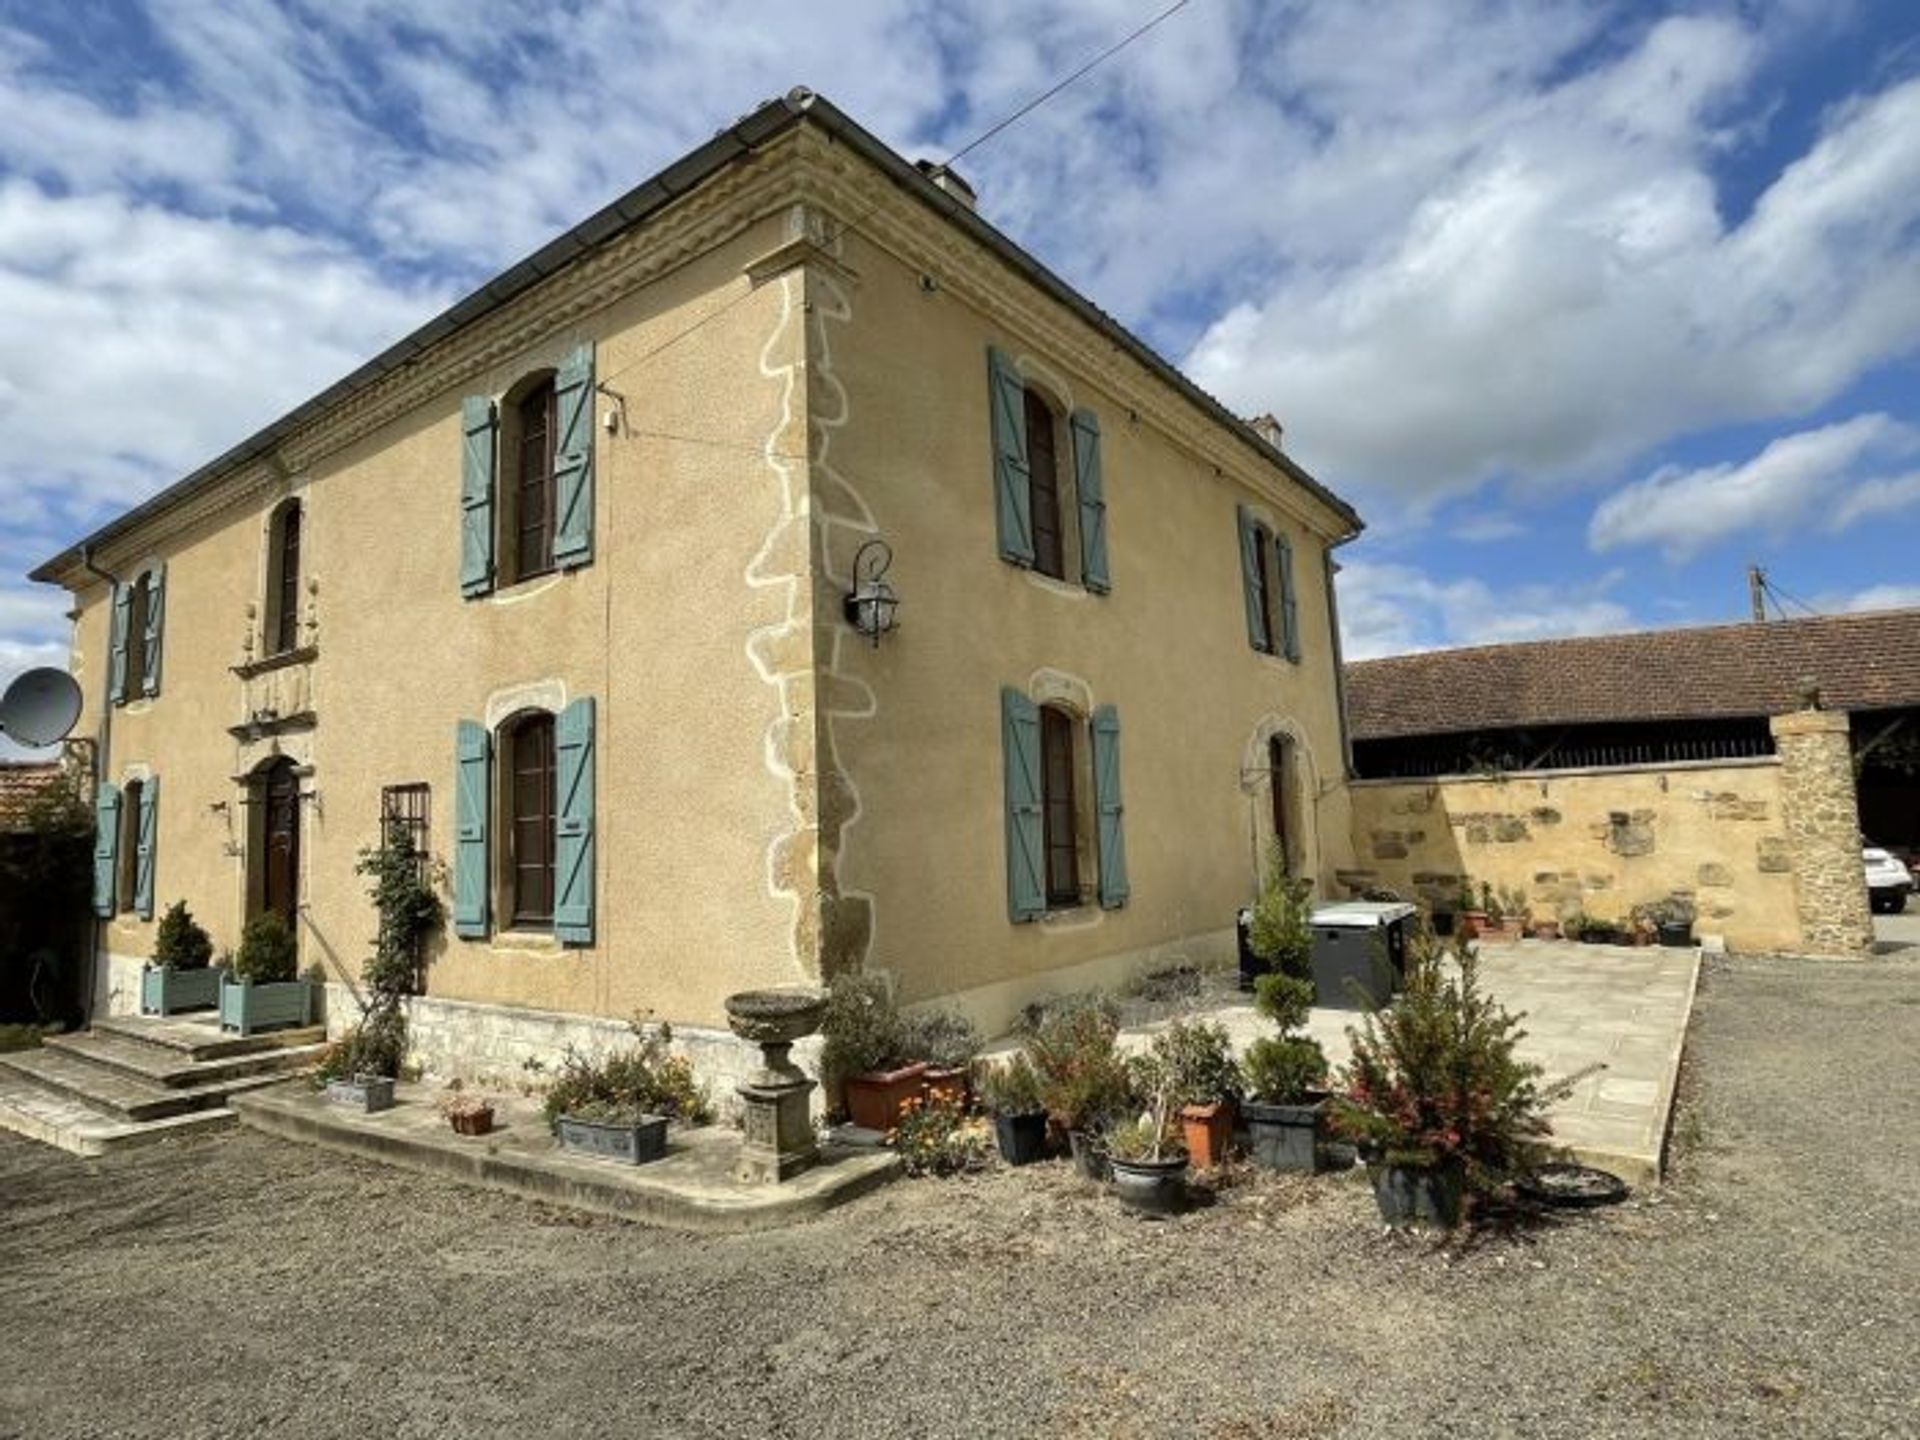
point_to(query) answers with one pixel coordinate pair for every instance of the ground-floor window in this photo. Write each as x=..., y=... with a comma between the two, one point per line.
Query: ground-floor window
x=529, y=812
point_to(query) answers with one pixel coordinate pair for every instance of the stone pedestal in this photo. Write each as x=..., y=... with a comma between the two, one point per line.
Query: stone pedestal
x=779, y=1139
x=1822, y=814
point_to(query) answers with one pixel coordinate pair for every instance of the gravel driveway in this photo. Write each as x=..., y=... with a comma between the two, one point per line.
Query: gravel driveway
x=236, y=1285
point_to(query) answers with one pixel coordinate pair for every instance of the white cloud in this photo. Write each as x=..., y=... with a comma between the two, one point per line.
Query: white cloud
x=1806, y=478
x=1485, y=529
x=1390, y=609
x=1877, y=597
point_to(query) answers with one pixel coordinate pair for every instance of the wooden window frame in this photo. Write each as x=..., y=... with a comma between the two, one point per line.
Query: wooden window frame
x=1059, y=806
x=530, y=546
x=1279, y=768
x=139, y=608
x=1045, y=493
x=127, y=862
x=285, y=538
x=1265, y=582
x=519, y=913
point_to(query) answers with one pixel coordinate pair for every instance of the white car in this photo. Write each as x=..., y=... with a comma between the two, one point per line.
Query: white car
x=1888, y=881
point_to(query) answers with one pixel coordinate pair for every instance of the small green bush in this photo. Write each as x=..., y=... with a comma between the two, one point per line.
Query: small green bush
x=1191, y=1062
x=1284, y=1069
x=267, y=953
x=646, y=1078
x=941, y=1037
x=1284, y=999
x=1083, y=1077
x=862, y=1028
x=180, y=942
x=1011, y=1088
x=376, y=1046
x=1282, y=930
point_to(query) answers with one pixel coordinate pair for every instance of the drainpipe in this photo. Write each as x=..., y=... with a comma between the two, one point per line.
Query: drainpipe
x=102, y=757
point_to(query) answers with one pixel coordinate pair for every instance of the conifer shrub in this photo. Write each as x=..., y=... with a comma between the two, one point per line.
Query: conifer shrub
x=180, y=943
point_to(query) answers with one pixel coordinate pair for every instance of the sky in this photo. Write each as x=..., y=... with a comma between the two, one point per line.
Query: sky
x=1586, y=306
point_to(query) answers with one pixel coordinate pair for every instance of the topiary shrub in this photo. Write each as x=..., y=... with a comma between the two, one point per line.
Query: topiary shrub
x=1284, y=1069
x=179, y=942
x=267, y=954
x=1282, y=929
x=1190, y=1063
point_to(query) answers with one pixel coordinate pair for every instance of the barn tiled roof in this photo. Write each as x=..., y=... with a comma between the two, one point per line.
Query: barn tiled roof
x=1867, y=661
x=20, y=785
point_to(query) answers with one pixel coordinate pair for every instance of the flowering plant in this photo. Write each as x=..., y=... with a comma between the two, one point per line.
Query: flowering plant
x=1435, y=1081
x=935, y=1136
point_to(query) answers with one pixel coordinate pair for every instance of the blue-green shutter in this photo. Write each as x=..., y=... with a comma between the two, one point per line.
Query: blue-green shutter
x=1012, y=482
x=573, y=838
x=1289, y=604
x=1257, y=635
x=1108, y=810
x=106, y=847
x=573, y=460
x=117, y=651
x=147, y=835
x=478, y=433
x=1090, y=491
x=156, y=624
x=1026, y=852
x=472, y=792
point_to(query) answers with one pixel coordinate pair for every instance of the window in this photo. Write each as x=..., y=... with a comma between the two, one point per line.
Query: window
x=1059, y=818
x=408, y=808
x=128, y=882
x=1266, y=578
x=529, y=813
x=1043, y=478
x=283, y=580
x=1263, y=586
x=532, y=499
x=139, y=612
x=1277, y=779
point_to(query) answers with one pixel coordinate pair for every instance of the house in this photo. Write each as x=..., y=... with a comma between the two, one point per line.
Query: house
x=560, y=581
x=1609, y=770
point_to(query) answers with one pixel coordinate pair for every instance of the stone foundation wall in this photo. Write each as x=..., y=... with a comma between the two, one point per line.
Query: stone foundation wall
x=1594, y=841
x=1823, y=831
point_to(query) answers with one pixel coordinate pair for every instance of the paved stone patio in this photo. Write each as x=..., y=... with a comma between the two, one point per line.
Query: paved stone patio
x=1585, y=1006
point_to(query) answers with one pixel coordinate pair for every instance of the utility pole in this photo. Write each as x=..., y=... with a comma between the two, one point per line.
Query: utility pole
x=1757, y=591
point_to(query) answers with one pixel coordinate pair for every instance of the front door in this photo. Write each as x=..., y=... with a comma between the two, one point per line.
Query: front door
x=281, y=833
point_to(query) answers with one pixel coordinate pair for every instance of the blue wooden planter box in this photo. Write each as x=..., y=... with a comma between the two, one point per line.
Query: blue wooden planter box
x=167, y=991
x=247, y=1006
x=365, y=1093
x=632, y=1144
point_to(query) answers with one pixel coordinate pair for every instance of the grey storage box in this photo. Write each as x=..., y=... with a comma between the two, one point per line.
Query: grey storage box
x=1359, y=952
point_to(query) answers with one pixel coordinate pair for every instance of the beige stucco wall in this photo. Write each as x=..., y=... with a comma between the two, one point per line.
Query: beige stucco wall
x=1597, y=841
x=775, y=797
x=903, y=449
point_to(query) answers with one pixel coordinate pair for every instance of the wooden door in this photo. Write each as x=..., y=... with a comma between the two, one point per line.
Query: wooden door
x=281, y=834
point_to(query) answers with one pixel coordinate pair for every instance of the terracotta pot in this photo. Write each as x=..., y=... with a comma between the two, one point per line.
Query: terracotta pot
x=875, y=1097
x=1546, y=930
x=1209, y=1132
x=1511, y=930
x=1473, y=923
x=479, y=1122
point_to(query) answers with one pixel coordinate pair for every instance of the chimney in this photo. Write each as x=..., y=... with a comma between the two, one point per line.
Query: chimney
x=947, y=180
x=1267, y=428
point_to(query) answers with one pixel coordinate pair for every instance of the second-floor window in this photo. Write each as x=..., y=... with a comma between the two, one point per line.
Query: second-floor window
x=532, y=507
x=138, y=620
x=1049, y=494
x=1266, y=578
x=283, y=579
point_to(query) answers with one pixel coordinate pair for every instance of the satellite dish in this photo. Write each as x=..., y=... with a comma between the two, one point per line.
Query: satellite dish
x=40, y=707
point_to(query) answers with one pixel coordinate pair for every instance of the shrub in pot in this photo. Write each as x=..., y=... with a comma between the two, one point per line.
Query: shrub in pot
x=1435, y=1095
x=1083, y=1077
x=618, y=1106
x=178, y=977
x=1192, y=1063
x=400, y=887
x=1011, y=1093
x=263, y=989
x=1471, y=914
x=467, y=1114
x=936, y=1136
x=1286, y=1082
x=1672, y=920
x=1282, y=930
x=865, y=1050
x=1149, y=1160
x=946, y=1043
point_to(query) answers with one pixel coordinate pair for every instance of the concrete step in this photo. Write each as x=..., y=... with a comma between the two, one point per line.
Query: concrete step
x=120, y=1096
x=165, y=1065
x=200, y=1037
x=39, y=1114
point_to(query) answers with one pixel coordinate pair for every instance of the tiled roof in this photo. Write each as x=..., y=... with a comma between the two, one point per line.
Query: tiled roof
x=1867, y=661
x=20, y=786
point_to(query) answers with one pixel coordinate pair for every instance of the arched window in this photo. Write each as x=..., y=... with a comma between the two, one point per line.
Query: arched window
x=1048, y=508
x=283, y=579
x=1060, y=819
x=527, y=806
x=1279, y=778
x=139, y=612
x=530, y=498
x=129, y=859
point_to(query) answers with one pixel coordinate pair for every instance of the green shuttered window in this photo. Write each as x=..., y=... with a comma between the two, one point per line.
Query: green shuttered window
x=564, y=518
x=573, y=823
x=135, y=631
x=1039, y=797
x=1028, y=488
x=1289, y=602
x=106, y=847
x=146, y=846
x=573, y=460
x=1267, y=585
x=1090, y=490
x=472, y=791
x=479, y=430
x=1108, y=810
x=1026, y=843
x=1012, y=487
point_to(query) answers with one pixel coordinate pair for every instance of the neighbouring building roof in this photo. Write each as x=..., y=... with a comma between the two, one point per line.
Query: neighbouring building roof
x=1861, y=662
x=20, y=786
x=634, y=208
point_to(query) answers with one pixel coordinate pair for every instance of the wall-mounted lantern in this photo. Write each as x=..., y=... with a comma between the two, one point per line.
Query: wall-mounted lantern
x=871, y=604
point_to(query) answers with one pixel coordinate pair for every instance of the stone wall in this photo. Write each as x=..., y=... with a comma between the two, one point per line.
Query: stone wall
x=1823, y=831
x=1597, y=842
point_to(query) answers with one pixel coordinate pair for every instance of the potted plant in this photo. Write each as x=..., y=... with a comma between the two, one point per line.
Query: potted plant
x=1281, y=932
x=1472, y=914
x=1011, y=1093
x=1435, y=1095
x=1672, y=921
x=936, y=1136
x=1149, y=1161
x=179, y=976
x=1191, y=1062
x=618, y=1107
x=263, y=989
x=865, y=1050
x=1286, y=1082
x=946, y=1043
x=1543, y=927
x=1513, y=914
x=1083, y=1078
x=362, y=1090
x=467, y=1114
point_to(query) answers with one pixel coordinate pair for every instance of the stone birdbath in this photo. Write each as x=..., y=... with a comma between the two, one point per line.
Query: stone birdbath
x=779, y=1128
